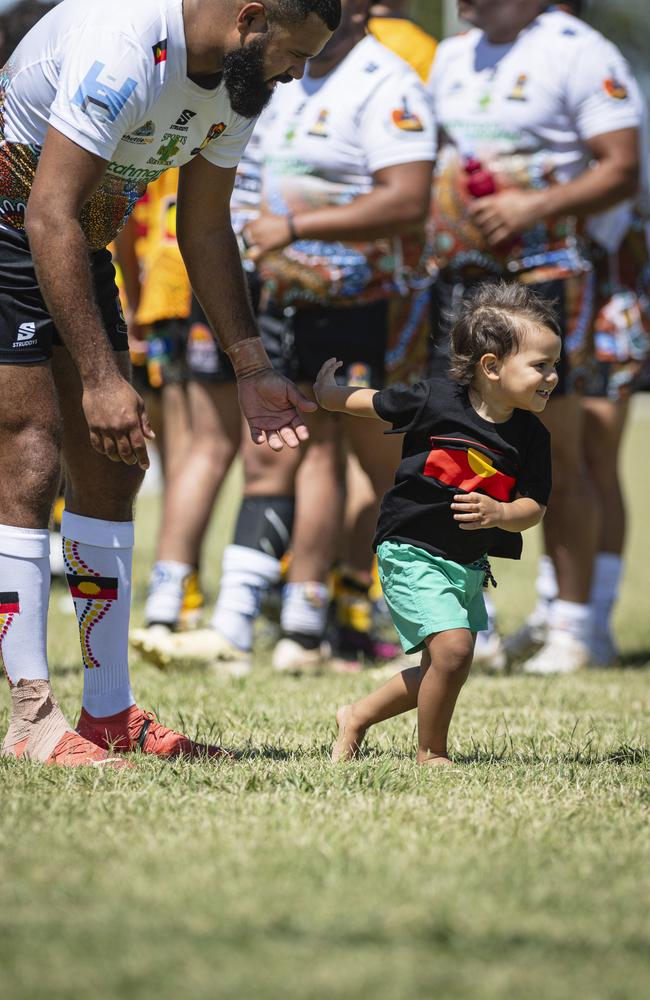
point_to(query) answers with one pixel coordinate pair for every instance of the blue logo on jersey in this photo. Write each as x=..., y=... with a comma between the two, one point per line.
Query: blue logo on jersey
x=99, y=100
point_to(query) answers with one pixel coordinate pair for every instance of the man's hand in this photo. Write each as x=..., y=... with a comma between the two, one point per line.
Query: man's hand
x=504, y=216
x=266, y=233
x=475, y=510
x=117, y=421
x=272, y=405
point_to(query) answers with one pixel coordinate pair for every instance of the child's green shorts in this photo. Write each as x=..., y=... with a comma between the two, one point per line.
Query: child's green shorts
x=427, y=594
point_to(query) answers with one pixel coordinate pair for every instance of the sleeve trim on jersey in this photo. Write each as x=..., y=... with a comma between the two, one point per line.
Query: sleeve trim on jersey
x=103, y=150
x=227, y=162
x=405, y=156
x=632, y=119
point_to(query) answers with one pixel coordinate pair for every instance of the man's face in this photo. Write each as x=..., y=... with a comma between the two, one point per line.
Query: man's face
x=486, y=14
x=277, y=56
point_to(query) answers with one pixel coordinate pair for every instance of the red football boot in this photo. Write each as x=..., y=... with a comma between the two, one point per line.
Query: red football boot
x=135, y=729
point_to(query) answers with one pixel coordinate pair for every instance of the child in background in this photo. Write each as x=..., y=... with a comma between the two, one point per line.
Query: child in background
x=475, y=472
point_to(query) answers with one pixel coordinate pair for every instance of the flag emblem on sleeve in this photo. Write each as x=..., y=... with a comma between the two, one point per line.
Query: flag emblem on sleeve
x=9, y=603
x=160, y=52
x=92, y=588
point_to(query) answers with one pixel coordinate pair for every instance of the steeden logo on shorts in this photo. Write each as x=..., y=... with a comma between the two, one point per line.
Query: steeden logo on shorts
x=25, y=335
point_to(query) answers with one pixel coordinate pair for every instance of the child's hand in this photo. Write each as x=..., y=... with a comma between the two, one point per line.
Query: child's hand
x=475, y=510
x=325, y=380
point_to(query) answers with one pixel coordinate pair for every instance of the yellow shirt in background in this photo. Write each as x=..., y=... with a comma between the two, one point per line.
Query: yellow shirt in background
x=407, y=40
x=166, y=291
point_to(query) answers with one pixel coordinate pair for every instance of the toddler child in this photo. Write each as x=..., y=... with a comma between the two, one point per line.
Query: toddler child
x=475, y=472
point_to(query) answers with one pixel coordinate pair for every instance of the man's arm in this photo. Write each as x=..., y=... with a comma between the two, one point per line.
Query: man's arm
x=65, y=179
x=270, y=402
x=613, y=177
x=398, y=202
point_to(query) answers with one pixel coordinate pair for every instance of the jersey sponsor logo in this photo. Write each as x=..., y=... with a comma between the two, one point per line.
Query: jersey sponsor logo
x=181, y=123
x=98, y=99
x=9, y=603
x=518, y=91
x=467, y=468
x=405, y=119
x=92, y=588
x=169, y=147
x=319, y=128
x=615, y=88
x=143, y=135
x=371, y=67
x=159, y=52
x=129, y=172
x=214, y=132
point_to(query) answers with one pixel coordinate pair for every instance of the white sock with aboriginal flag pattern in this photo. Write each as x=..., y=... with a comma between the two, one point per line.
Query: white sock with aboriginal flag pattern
x=98, y=556
x=24, y=595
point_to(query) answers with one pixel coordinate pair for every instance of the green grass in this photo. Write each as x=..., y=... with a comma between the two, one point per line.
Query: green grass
x=522, y=872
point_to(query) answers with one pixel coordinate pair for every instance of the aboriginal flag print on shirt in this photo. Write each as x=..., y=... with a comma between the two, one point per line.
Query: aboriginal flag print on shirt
x=448, y=448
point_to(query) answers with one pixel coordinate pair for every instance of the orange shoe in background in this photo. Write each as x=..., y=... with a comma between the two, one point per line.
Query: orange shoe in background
x=135, y=729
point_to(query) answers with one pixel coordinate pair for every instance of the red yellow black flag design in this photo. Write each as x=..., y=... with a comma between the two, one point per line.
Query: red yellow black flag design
x=160, y=52
x=468, y=469
x=9, y=603
x=92, y=588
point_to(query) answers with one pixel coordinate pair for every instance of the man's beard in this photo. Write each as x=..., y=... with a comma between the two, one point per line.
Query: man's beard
x=243, y=75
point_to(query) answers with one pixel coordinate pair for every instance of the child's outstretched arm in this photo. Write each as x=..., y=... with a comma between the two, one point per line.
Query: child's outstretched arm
x=475, y=510
x=342, y=398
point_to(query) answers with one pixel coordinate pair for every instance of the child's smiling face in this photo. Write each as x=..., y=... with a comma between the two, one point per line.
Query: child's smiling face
x=527, y=377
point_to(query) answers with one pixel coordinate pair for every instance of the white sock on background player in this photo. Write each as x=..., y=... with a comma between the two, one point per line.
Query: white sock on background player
x=165, y=595
x=246, y=575
x=98, y=556
x=24, y=597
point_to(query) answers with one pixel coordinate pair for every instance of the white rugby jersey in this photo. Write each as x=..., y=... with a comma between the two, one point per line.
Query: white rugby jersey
x=322, y=139
x=519, y=115
x=112, y=77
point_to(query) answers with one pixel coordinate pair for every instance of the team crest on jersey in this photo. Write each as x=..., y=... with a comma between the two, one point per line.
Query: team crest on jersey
x=160, y=52
x=615, y=88
x=320, y=125
x=213, y=133
x=405, y=119
x=518, y=92
x=141, y=136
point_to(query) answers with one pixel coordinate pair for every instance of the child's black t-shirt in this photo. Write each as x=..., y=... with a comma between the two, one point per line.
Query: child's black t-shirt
x=448, y=448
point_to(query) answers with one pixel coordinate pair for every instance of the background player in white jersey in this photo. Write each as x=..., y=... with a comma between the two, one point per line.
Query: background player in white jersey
x=619, y=247
x=96, y=102
x=537, y=132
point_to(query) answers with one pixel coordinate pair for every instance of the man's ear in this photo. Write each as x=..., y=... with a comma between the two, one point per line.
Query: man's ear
x=490, y=366
x=252, y=18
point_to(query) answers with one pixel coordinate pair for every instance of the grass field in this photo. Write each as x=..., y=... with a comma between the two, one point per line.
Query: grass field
x=522, y=872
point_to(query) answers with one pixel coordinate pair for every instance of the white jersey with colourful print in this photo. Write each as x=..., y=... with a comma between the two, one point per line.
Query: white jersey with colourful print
x=322, y=139
x=112, y=77
x=520, y=115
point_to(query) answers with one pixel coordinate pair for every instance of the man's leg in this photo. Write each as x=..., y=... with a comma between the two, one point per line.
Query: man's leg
x=29, y=476
x=571, y=533
x=319, y=501
x=190, y=496
x=97, y=533
x=604, y=426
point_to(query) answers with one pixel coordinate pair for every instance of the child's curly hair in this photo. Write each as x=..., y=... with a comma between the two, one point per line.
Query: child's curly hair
x=493, y=321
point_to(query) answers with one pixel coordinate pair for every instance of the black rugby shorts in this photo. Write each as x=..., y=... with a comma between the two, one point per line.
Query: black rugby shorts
x=27, y=331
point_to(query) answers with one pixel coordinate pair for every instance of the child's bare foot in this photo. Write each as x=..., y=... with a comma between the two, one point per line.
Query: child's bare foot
x=350, y=737
x=433, y=759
